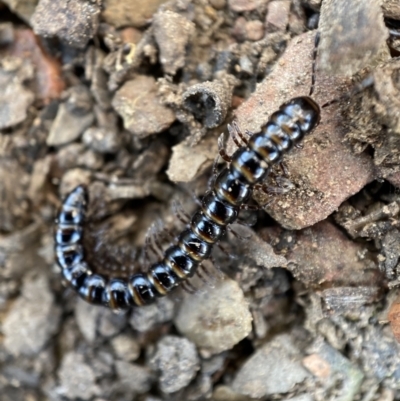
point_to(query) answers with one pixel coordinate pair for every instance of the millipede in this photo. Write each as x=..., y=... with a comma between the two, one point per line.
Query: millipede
x=229, y=192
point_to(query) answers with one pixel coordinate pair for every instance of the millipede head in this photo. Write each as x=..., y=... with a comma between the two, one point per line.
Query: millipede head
x=305, y=110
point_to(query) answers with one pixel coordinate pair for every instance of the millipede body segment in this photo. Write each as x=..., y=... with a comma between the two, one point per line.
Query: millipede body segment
x=220, y=207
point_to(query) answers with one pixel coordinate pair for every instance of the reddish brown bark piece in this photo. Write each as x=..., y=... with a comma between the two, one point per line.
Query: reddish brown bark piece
x=325, y=172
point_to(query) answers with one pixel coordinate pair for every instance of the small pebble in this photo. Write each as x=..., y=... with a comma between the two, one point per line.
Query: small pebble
x=140, y=108
x=216, y=319
x=147, y=317
x=92, y=320
x=73, y=117
x=277, y=15
x=275, y=368
x=67, y=126
x=126, y=347
x=177, y=361
x=256, y=249
x=134, y=379
x=102, y=140
x=239, y=29
x=254, y=30
x=87, y=319
x=242, y=5
x=75, y=22
x=15, y=99
x=218, y=4
x=199, y=157
x=32, y=319
x=77, y=379
x=172, y=32
x=48, y=78
x=138, y=13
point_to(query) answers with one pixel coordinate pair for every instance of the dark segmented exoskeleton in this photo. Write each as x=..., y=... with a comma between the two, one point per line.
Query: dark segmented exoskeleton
x=220, y=207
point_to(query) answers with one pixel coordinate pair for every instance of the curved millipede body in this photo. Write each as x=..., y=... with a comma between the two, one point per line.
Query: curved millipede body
x=220, y=206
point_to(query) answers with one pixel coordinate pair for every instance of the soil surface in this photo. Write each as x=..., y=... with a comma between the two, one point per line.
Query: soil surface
x=301, y=301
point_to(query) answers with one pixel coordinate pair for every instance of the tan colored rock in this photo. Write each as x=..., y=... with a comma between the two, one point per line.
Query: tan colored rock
x=216, y=319
x=172, y=33
x=189, y=162
x=136, y=13
x=277, y=15
x=140, y=108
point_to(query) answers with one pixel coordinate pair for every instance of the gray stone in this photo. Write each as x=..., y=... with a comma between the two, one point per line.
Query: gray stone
x=74, y=22
x=73, y=117
x=77, y=379
x=126, y=347
x=32, y=319
x=134, y=379
x=92, y=320
x=145, y=318
x=273, y=369
x=15, y=99
x=102, y=140
x=216, y=319
x=177, y=361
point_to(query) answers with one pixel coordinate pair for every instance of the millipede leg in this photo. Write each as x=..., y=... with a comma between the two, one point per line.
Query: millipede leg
x=250, y=207
x=248, y=133
x=365, y=83
x=180, y=213
x=222, y=151
x=230, y=255
x=233, y=134
x=237, y=235
x=188, y=287
x=314, y=63
x=283, y=187
x=205, y=276
x=217, y=268
x=284, y=168
x=239, y=132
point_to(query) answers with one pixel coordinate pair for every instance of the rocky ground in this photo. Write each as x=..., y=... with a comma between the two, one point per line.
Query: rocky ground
x=129, y=98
